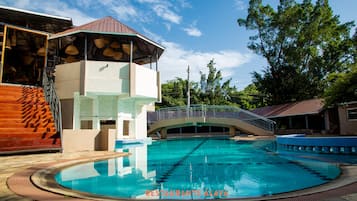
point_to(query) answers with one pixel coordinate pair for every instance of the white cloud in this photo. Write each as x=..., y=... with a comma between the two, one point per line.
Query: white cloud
x=239, y=5
x=121, y=8
x=165, y=13
x=55, y=7
x=174, y=61
x=125, y=12
x=168, y=26
x=184, y=4
x=149, y=1
x=152, y=35
x=84, y=3
x=193, y=31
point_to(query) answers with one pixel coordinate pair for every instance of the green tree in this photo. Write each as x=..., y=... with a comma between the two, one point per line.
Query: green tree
x=302, y=44
x=249, y=98
x=213, y=90
x=173, y=93
x=343, y=87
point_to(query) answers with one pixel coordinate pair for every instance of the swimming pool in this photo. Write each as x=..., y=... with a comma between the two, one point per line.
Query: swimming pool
x=197, y=168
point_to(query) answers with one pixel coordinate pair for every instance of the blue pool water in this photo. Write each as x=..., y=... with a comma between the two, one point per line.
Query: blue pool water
x=197, y=168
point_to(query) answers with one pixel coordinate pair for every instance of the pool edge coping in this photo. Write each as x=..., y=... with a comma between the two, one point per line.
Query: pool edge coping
x=42, y=177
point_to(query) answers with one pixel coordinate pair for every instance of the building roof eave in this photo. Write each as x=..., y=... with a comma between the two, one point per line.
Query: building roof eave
x=293, y=115
x=36, y=13
x=55, y=36
x=25, y=29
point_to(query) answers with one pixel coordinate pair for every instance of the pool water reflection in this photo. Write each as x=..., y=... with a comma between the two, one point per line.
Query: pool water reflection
x=198, y=168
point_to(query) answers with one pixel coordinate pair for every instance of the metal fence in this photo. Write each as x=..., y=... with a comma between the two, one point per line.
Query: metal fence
x=212, y=111
x=54, y=102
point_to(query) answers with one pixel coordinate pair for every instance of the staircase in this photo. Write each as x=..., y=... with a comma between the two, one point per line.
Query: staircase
x=1, y=39
x=26, y=121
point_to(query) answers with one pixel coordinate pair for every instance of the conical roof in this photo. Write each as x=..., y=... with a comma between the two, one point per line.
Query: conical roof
x=106, y=25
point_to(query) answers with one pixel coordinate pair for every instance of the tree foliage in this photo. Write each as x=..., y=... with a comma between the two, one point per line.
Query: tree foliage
x=343, y=87
x=213, y=90
x=174, y=93
x=249, y=98
x=302, y=43
x=210, y=90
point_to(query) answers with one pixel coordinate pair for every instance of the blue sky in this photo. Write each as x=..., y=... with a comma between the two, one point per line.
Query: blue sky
x=192, y=31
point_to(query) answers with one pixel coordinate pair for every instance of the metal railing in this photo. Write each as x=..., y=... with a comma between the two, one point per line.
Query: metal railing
x=54, y=102
x=213, y=111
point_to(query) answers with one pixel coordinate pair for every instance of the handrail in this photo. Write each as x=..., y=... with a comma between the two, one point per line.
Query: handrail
x=213, y=111
x=54, y=102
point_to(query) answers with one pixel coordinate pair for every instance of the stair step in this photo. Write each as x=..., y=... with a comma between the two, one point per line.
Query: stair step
x=17, y=149
x=26, y=121
x=26, y=135
x=19, y=123
x=28, y=142
x=28, y=129
x=29, y=134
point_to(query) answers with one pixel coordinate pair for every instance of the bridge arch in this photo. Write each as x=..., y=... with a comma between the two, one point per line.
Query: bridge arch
x=228, y=116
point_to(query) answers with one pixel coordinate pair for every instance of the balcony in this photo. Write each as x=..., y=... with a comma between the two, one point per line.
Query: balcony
x=93, y=78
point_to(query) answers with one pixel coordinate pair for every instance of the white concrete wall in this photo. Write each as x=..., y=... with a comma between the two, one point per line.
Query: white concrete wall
x=141, y=123
x=67, y=79
x=108, y=107
x=146, y=82
x=106, y=78
x=79, y=140
x=86, y=108
x=100, y=91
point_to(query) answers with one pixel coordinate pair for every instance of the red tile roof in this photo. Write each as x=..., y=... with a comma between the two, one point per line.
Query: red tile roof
x=106, y=25
x=312, y=106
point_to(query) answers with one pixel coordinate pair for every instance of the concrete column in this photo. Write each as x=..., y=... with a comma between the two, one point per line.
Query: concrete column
x=290, y=123
x=327, y=120
x=306, y=122
x=76, y=111
x=119, y=126
x=232, y=131
x=163, y=133
x=95, y=118
x=120, y=120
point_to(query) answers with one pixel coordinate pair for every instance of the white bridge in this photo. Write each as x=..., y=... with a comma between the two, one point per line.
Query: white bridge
x=216, y=115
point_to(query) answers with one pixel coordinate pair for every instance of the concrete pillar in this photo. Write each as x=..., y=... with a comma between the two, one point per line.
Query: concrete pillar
x=95, y=118
x=232, y=131
x=76, y=111
x=119, y=126
x=306, y=122
x=290, y=123
x=327, y=120
x=163, y=133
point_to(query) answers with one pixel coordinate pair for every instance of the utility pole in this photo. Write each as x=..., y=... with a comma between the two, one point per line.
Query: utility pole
x=188, y=92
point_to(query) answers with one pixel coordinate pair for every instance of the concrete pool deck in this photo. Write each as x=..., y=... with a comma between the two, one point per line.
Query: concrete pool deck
x=16, y=183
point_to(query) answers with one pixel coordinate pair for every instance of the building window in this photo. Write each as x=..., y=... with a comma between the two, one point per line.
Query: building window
x=126, y=127
x=352, y=114
x=86, y=124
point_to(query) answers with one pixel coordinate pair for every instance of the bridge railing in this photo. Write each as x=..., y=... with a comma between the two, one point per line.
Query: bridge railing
x=212, y=111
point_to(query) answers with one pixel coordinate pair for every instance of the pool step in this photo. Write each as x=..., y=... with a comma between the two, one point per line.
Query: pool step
x=26, y=121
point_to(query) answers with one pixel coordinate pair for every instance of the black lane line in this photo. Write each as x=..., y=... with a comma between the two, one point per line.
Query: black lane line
x=174, y=166
x=312, y=171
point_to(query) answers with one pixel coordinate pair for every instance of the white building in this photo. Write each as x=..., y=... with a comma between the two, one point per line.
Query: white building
x=106, y=76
